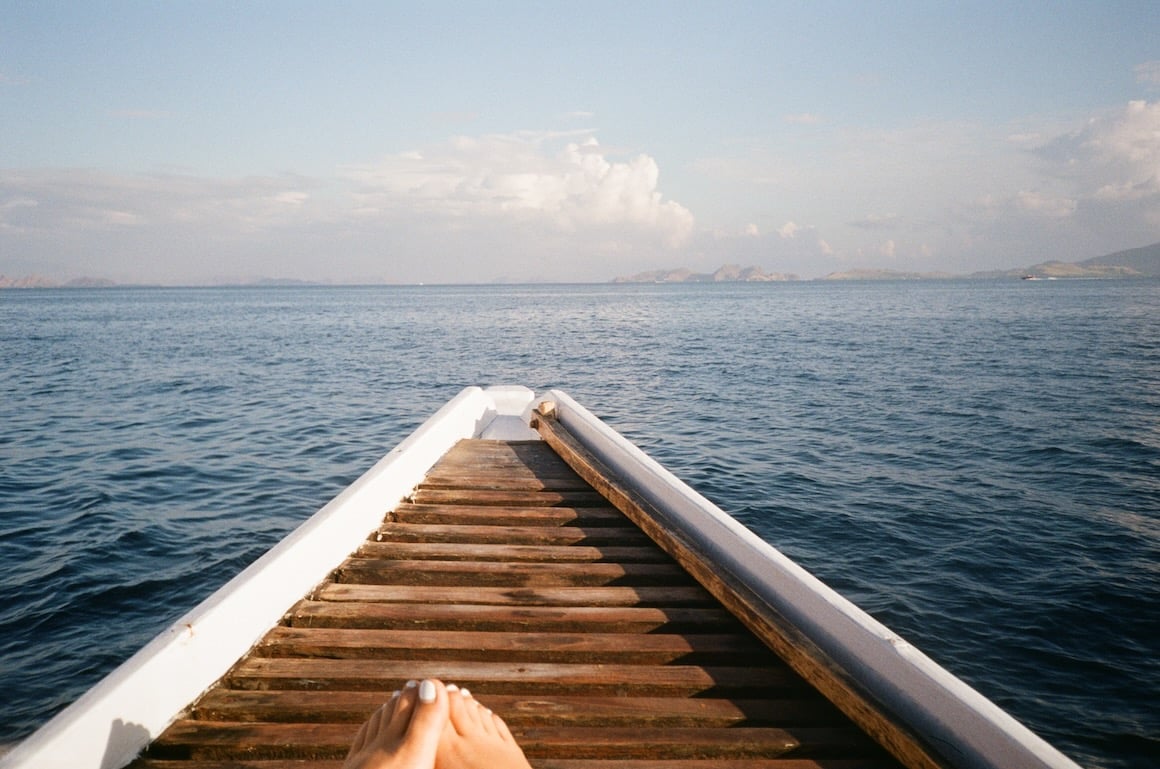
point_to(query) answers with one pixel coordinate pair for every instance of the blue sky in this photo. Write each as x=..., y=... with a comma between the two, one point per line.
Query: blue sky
x=197, y=142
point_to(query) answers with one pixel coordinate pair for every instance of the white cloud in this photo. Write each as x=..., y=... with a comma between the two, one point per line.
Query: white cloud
x=517, y=178
x=522, y=206
x=752, y=230
x=1114, y=156
x=83, y=203
x=887, y=249
x=788, y=230
x=1045, y=205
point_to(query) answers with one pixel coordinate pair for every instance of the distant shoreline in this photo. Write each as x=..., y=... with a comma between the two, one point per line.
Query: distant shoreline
x=1132, y=263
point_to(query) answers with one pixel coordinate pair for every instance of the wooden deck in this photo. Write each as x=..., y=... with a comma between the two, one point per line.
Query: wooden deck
x=508, y=574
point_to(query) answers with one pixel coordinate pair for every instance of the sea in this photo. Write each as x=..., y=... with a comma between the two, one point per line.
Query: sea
x=975, y=463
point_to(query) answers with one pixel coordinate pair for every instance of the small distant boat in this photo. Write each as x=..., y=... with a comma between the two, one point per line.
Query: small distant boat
x=1031, y=277
x=518, y=545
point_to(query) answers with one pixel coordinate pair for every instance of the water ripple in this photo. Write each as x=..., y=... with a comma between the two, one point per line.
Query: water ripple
x=976, y=464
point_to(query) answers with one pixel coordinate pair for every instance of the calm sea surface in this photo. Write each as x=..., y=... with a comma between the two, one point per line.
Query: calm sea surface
x=977, y=464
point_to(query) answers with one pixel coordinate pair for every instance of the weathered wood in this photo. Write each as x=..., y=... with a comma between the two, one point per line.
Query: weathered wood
x=508, y=678
x=224, y=739
x=499, y=515
x=763, y=620
x=478, y=481
x=587, y=647
x=513, y=498
x=692, y=595
x=458, y=551
x=511, y=535
x=520, y=711
x=507, y=573
x=569, y=619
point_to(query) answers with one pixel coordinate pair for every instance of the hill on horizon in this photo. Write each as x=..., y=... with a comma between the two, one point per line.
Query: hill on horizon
x=1144, y=260
x=1141, y=262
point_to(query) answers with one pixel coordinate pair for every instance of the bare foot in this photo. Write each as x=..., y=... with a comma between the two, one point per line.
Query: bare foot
x=476, y=738
x=405, y=732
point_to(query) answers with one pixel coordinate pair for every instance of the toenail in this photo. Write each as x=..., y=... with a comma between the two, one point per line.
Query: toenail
x=412, y=684
x=465, y=692
x=427, y=692
x=452, y=688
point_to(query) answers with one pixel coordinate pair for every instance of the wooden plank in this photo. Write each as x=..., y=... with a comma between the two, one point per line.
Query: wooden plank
x=521, y=711
x=691, y=595
x=486, y=573
x=511, y=535
x=500, y=515
x=519, y=678
x=679, y=742
x=448, y=479
x=594, y=619
x=225, y=739
x=458, y=551
x=636, y=649
x=424, y=496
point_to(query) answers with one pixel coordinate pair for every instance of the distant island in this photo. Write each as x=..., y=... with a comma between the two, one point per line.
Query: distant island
x=40, y=281
x=1132, y=263
x=730, y=273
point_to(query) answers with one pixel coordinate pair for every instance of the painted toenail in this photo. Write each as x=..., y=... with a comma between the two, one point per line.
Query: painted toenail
x=452, y=688
x=465, y=692
x=427, y=692
x=412, y=684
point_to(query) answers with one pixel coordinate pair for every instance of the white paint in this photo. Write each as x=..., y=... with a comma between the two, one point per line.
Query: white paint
x=111, y=723
x=975, y=731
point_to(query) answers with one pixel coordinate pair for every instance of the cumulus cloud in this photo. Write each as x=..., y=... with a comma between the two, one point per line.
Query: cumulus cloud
x=1115, y=156
x=788, y=230
x=517, y=178
x=520, y=206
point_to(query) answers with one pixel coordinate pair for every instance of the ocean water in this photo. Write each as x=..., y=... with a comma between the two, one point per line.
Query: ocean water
x=977, y=464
